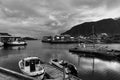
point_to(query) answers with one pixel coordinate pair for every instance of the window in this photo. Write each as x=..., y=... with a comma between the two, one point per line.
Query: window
x=37, y=61
x=27, y=63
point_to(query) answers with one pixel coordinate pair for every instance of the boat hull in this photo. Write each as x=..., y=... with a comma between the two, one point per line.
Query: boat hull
x=27, y=70
x=69, y=68
x=15, y=44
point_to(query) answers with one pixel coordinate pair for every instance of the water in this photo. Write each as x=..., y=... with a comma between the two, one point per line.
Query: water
x=90, y=68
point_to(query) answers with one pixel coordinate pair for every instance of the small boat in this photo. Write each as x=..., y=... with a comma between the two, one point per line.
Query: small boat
x=14, y=41
x=69, y=68
x=31, y=66
x=58, y=63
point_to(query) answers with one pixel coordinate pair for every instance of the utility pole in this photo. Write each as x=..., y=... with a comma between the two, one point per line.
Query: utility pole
x=63, y=71
x=93, y=66
x=78, y=61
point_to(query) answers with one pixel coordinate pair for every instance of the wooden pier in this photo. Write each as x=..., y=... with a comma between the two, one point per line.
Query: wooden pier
x=53, y=72
x=56, y=73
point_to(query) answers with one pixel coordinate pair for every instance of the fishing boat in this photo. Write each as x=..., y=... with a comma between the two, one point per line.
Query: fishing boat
x=69, y=68
x=31, y=66
x=14, y=41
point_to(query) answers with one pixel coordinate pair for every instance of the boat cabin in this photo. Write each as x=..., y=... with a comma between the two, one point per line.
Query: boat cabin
x=11, y=39
x=33, y=64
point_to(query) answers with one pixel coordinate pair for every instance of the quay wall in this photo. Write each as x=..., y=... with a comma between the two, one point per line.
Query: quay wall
x=12, y=75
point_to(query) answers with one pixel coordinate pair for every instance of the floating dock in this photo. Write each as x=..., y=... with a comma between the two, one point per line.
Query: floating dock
x=96, y=52
x=53, y=72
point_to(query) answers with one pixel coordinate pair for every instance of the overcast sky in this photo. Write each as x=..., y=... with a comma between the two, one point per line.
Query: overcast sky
x=42, y=17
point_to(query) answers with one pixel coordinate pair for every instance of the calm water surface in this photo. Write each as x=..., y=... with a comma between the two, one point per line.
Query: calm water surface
x=90, y=68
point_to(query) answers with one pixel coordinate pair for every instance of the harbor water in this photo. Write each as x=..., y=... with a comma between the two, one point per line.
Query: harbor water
x=89, y=68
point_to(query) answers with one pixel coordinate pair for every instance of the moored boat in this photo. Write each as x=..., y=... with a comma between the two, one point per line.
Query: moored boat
x=14, y=41
x=69, y=68
x=31, y=66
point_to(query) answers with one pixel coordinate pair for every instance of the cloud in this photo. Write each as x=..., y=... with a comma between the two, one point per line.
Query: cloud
x=53, y=16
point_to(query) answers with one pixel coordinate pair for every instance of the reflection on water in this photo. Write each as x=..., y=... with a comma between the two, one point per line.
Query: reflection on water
x=89, y=67
x=14, y=48
x=93, y=68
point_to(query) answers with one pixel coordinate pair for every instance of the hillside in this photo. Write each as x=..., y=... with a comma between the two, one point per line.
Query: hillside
x=29, y=38
x=110, y=26
x=4, y=34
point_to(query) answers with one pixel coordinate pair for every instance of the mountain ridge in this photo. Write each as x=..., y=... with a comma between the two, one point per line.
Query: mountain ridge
x=110, y=26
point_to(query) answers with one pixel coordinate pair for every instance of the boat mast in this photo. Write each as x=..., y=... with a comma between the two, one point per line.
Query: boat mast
x=93, y=35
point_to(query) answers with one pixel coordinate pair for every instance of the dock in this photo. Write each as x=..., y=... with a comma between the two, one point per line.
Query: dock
x=96, y=52
x=6, y=74
x=53, y=72
x=56, y=73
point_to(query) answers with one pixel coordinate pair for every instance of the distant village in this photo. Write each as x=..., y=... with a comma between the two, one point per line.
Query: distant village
x=96, y=38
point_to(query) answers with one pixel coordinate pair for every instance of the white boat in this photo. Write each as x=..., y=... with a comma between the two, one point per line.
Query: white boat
x=15, y=43
x=59, y=63
x=69, y=68
x=31, y=66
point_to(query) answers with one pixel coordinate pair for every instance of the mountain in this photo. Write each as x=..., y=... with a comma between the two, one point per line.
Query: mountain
x=4, y=34
x=110, y=26
x=29, y=38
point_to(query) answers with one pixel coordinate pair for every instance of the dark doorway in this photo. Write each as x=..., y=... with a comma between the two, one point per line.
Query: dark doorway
x=32, y=66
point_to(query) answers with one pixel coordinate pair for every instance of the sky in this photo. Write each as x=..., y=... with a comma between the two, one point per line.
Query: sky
x=46, y=17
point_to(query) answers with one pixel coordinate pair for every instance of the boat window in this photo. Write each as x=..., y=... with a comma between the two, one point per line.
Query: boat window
x=55, y=60
x=22, y=65
x=32, y=61
x=37, y=61
x=71, y=67
x=62, y=64
x=27, y=63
